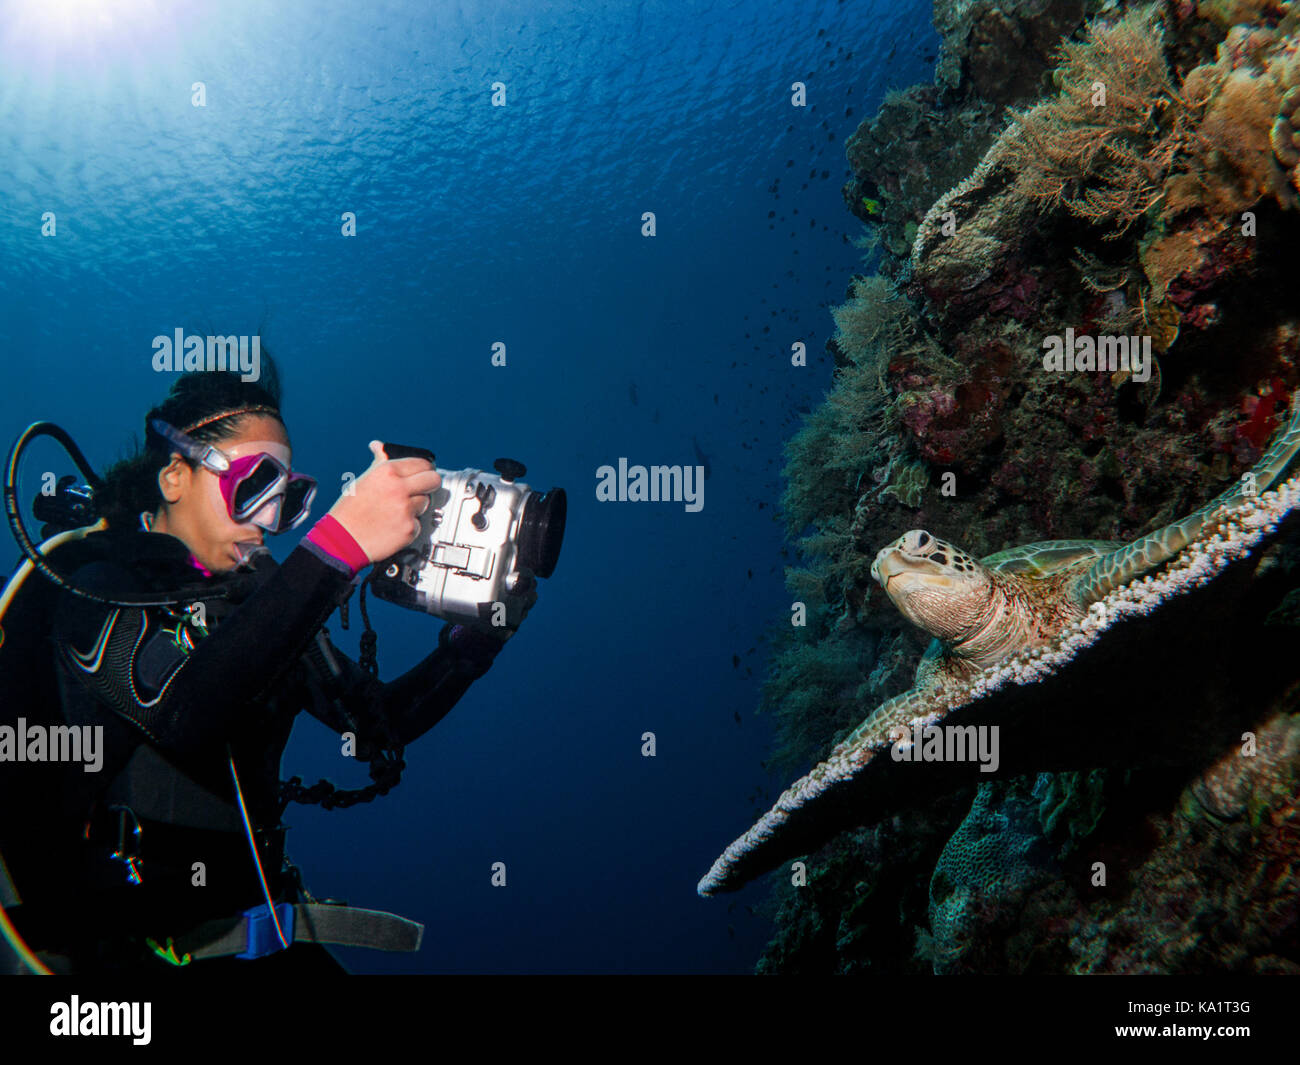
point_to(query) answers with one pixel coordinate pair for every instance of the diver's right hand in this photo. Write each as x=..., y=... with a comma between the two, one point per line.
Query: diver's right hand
x=380, y=510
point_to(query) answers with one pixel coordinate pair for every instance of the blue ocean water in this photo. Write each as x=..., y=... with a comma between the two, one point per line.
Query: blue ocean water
x=478, y=225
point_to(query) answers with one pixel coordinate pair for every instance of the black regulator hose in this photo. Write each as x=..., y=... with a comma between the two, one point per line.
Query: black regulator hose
x=183, y=595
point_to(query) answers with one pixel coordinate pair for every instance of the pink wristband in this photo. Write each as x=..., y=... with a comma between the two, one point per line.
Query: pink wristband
x=331, y=537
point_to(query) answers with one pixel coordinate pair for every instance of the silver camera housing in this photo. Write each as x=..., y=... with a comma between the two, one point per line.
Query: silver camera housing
x=466, y=559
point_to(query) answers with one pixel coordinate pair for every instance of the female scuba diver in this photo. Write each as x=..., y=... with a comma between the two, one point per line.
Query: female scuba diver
x=172, y=855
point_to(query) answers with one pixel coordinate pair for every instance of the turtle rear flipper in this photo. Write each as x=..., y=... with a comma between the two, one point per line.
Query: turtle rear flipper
x=1141, y=556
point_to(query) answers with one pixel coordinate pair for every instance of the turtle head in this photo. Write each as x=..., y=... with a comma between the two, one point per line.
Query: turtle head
x=935, y=585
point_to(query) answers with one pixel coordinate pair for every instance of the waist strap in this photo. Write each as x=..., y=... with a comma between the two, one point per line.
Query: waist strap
x=252, y=934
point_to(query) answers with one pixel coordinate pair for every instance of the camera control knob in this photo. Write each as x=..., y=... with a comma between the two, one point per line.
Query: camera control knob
x=509, y=469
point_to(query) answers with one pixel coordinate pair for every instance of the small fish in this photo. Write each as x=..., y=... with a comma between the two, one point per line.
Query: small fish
x=873, y=206
x=736, y=715
x=631, y=393
x=702, y=458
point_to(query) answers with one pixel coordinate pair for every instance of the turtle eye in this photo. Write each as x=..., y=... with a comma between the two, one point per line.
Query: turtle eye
x=923, y=539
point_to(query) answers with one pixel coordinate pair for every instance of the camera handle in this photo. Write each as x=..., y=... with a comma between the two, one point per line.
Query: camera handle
x=405, y=451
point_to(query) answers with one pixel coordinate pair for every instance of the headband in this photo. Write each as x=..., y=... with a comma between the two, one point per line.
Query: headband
x=259, y=409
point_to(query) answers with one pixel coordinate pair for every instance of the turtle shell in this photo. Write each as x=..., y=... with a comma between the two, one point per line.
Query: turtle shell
x=1039, y=559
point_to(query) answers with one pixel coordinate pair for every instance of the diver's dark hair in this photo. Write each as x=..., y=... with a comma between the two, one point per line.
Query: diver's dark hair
x=131, y=484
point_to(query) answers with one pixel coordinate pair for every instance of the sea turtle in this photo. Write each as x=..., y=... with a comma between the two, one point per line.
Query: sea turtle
x=981, y=612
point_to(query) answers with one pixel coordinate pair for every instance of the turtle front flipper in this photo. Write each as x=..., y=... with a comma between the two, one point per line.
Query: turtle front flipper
x=780, y=833
x=1140, y=557
x=900, y=710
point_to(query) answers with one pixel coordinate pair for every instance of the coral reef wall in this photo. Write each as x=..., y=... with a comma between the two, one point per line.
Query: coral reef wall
x=1111, y=170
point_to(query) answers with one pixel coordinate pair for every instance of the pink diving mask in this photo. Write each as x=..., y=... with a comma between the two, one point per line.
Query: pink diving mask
x=249, y=483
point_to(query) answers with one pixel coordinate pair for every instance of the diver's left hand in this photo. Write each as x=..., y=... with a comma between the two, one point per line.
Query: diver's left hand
x=528, y=599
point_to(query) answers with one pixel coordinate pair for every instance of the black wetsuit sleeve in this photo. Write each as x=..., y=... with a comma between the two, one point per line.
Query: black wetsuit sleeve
x=185, y=702
x=412, y=703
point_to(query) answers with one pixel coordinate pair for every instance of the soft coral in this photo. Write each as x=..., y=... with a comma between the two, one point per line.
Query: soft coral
x=1262, y=410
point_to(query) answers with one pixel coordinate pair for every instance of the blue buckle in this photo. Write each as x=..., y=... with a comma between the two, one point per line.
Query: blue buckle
x=262, y=939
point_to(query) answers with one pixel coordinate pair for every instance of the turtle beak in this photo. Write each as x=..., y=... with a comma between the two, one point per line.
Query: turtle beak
x=886, y=565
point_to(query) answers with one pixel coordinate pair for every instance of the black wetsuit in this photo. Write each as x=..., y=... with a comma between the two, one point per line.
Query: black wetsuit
x=171, y=717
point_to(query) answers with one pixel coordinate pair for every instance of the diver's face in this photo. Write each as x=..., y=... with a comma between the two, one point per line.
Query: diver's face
x=196, y=512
